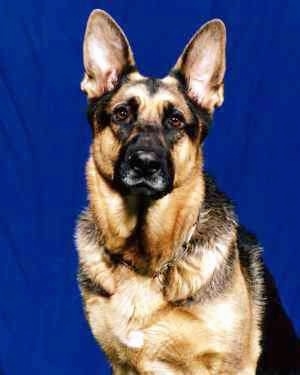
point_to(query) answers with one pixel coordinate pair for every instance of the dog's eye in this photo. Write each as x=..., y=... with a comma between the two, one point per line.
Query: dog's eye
x=120, y=114
x=176, y=121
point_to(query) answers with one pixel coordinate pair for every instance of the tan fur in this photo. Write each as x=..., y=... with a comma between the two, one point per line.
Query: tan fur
x=150, y=316
x=215, y=338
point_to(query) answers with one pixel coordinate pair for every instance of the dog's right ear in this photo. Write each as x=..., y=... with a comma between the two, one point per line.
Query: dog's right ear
x=106, y=54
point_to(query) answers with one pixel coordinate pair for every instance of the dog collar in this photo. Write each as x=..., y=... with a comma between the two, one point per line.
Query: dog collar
x=161, y=273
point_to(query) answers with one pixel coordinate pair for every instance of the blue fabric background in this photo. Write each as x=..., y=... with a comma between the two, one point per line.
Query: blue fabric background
x=253, y=150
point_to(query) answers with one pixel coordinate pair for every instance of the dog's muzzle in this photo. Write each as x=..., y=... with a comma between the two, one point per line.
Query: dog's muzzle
x=145, y=172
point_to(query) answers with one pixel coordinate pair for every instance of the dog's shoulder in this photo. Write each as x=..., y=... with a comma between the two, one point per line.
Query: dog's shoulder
x=87, y=228
x=250, y=255
x=223, y=219
x=217, y=221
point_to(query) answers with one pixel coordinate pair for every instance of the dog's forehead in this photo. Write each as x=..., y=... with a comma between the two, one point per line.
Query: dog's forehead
x=151, y=92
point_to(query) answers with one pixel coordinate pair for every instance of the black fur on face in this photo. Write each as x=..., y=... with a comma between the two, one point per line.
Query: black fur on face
x=144, y=166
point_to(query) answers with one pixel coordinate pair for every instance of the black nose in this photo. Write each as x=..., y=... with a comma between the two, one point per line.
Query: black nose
x=144, y=163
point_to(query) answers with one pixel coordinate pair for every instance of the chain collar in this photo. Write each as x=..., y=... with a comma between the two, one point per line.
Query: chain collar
x=160, y=274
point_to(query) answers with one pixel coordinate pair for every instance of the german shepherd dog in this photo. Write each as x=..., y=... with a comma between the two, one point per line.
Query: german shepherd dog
x=171, y=284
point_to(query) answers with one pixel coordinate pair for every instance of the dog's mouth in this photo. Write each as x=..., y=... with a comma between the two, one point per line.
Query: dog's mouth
x=145, y=173
x=154, y=187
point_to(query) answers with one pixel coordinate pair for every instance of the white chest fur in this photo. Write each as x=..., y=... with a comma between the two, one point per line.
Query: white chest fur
x=132, y=308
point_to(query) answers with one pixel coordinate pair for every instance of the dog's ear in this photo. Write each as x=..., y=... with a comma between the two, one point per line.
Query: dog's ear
x=202, y=65
x=106, y=54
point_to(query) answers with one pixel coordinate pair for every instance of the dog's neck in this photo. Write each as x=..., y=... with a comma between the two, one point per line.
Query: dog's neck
x=146, y=237
x=149, y=234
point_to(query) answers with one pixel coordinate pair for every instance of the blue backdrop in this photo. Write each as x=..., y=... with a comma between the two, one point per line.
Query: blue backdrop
x=253, y=150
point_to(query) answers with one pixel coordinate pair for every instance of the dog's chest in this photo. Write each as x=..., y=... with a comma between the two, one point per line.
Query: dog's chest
x=119, y=322
x=133, y=308
x=136, y=326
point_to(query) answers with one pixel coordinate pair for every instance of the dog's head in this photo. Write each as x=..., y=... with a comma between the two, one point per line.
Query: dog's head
x=148, y=132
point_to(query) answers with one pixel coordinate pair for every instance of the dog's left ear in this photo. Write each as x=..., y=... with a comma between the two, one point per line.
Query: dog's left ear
x=202, y=65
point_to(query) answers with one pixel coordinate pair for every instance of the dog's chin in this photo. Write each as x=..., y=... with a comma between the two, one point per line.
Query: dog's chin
x=143, y=190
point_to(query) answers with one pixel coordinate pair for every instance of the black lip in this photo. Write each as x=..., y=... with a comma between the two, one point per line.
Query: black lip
x=142, y=187
x=142, y=181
